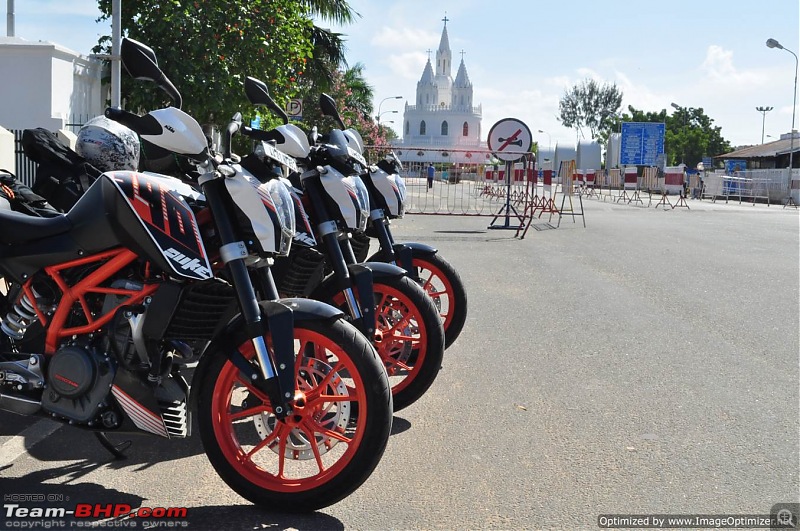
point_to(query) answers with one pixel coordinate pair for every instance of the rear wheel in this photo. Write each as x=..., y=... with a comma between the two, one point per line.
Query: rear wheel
x=408, y=337
x=324, y=450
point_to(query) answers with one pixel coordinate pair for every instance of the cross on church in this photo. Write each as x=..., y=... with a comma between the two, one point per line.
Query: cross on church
x=462, y=52
x=445, y=19
x=429, y=53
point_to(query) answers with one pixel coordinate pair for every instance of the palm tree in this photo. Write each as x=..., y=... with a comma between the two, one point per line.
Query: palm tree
x=329, y=47
x=360, y=92
x=338, y=11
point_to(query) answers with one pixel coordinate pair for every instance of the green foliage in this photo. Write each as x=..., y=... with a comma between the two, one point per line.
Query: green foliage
x=353, y=96
x=207, y=48
x=689, y=134
x=590, y=104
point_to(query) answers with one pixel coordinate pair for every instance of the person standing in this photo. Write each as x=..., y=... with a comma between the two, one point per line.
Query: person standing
x=431, y=172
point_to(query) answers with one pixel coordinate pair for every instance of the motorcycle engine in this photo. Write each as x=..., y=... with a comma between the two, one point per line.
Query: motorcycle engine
x=78, y=381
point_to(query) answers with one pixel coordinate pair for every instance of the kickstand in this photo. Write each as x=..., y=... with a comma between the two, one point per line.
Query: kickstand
x=118, y=451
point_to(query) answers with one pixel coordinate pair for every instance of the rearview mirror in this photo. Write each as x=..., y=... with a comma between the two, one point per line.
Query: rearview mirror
x=257, y=94
x=328, y=107
x=140, y=62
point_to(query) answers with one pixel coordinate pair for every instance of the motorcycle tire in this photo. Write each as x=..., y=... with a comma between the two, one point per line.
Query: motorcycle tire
x=409, y=337
x=443, y=284
x=322, y=452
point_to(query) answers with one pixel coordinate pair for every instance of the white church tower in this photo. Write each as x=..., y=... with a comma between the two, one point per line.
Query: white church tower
x=443, y=122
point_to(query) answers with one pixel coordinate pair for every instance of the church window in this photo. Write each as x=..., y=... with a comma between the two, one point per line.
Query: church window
x=465, y=129
x=422, y=127
x=444, y=128
x=462, y=100
x=407, y=127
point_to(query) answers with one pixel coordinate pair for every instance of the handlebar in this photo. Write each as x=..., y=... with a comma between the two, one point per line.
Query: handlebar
x=262, y=135
x=233, y=127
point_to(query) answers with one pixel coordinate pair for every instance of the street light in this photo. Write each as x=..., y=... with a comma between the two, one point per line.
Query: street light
x=384, y=112
x=381, y=103
x=772, y=43
x=549, y=140
x=763, y=111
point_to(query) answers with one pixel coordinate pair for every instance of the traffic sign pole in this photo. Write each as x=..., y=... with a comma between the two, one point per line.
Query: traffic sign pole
x=505, y=133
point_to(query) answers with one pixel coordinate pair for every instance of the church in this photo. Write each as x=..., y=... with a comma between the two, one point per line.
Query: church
x=443, y=125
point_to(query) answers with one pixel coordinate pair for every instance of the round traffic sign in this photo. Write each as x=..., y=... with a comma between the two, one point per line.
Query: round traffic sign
x=295, y=108
x=509, y=139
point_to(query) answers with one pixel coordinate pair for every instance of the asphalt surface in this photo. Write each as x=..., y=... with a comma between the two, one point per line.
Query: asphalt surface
x=647, y=363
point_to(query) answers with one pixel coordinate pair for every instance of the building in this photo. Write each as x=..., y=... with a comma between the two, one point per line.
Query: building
x=444, y=124
x=51, y=86
x=769, y=155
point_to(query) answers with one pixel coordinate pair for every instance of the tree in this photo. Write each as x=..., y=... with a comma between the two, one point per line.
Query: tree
x=328, y=47
x=207, y=48
x=589, y=104
x=689, y=134
x=353, y=96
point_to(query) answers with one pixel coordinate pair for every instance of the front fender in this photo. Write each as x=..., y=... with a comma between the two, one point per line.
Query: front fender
x=419, y=250
x=234, y=333
x=384, y=270
x=404, y=254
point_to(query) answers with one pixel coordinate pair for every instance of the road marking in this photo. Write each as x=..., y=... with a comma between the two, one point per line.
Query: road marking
x=26, y=439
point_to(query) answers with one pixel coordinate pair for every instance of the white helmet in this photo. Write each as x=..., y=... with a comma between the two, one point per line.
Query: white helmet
x=108, y=145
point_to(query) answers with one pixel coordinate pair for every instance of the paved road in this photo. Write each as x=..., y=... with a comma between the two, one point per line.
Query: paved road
x=645, y=364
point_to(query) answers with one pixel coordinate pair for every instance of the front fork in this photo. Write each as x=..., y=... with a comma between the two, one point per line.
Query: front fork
x=397, y=254
x=276, y=376
x=340, y=256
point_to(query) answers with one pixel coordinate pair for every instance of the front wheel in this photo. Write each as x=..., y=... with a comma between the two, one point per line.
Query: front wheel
x=324, y=450
x=408, y=337
x=443, y=284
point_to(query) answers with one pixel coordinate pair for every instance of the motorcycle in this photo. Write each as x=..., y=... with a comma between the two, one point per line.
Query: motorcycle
x=386, y=305
x=105, y=304
x=437, y=276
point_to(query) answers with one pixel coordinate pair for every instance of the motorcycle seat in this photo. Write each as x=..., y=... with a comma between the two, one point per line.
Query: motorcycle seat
x=16, y=228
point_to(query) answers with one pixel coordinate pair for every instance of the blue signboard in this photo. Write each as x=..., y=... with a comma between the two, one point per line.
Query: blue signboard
x=642, y=143
x=734, y=165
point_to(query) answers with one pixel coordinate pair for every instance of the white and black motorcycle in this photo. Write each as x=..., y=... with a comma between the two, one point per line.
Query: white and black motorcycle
x=293, y=403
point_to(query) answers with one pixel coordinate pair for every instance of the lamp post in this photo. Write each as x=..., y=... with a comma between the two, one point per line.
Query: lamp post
x=381, y=103
x=772, y=43
x=384, y=112
x=549, y=140
x=763, y=111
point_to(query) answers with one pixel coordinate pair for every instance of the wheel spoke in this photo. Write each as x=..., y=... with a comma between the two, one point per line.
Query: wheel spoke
x=249, y=412
x=257, y=392
x=380, y=301
x=316, y=428
x=308, y=430
x=313, y=393
x=333, y=398
x=400, y=323
x=282, y=454
x=279, y=428
x=395, y=363
x=434, y=294
x=428, y=283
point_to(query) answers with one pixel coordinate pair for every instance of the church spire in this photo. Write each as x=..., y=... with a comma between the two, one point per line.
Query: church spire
x=427, y=74
x=444, y=57
x=462, y=79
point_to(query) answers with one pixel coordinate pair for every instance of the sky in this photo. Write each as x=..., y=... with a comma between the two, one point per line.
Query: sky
x=523, y=55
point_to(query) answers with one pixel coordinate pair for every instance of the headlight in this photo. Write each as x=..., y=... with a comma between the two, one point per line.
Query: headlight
x=401, y=188
x=363, y=202
x=284, y=208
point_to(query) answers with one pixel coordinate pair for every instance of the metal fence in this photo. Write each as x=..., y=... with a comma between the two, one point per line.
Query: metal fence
x=26, y=168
